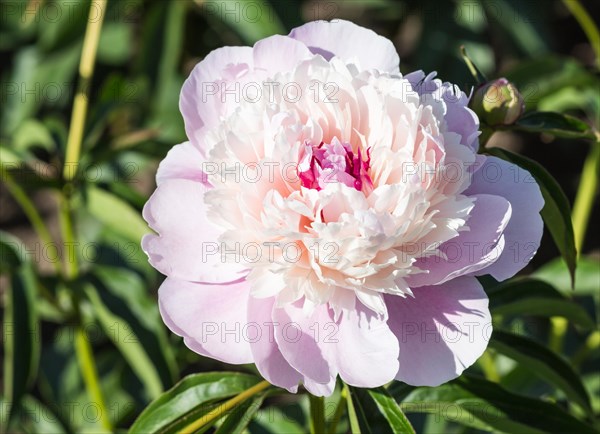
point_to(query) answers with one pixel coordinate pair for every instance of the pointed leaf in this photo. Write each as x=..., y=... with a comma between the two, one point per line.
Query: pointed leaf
x=543, y=363
x=537, y=298
x=125, y=340
x=557, y=124
x=190, y=399
x=20, y=325
x=116, y=214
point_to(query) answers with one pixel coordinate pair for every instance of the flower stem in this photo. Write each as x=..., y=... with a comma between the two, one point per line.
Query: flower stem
x=354, y=425
x=85, y=358
x=339, y=410
x=317, y=414
x=70, y=259
x=586, y=193
x=84, y=351
x=587, y=24
x=224, y=408
x=80, y=104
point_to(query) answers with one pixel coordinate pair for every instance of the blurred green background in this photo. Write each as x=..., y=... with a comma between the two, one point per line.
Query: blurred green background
x=146, y=50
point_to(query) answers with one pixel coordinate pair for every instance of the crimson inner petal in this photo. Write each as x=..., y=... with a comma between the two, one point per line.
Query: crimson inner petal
x=333, y=162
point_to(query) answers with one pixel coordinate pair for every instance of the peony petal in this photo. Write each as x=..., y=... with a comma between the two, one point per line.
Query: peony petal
x=319, y=389
x=269, y=54
x=183, y=161
x=474, y=249
x=269, y=360
x=524, y=230
x=348, y=41
x=200, y=100
x=442, y=331
x=187, y=246
x=366, y=351
x=299, y=339
x=459, y=117
x=210, y=318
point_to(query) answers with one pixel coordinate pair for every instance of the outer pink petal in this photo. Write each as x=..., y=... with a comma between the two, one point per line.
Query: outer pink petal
x=200, y=100
x=216, y=85
x=210, y=318
x=472, y=250
x=442, y=331
x=279, y=54
x=319, y=389
x=347, y=41
x=302, y=342
x=524, y=230
x=269, y=361
x=183, y=161
x=459, y=117
x=186, y=247
x=366, y=353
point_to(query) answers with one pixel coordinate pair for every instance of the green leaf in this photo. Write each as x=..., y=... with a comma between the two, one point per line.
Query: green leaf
x=32, y=133
x=525, y=29
x=541, y=77
x=537, y=298
x=241, y=416
x=557, y=124
x=124, y=293
x=487, y=406
x=125, y=340
x=189, y=400
x=159, y=61
x=67, y=23
x=275, y=420
x=542, y=362
x=556, y=212
x=450, y=403
x=38, y=80
x=38, y=418
x=587, y=276
x=116, y=214
x=21, y=326
x=379, y=412
x=12, y=253
x=115, y=43
x=391, y=411
x=541, y=415
x=8, y=159
x=478, y=76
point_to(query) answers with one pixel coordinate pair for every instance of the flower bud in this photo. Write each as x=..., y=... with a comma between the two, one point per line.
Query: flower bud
x=498, y=103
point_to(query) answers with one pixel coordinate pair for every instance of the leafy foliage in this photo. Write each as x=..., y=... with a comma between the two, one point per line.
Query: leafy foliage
x=86, y=276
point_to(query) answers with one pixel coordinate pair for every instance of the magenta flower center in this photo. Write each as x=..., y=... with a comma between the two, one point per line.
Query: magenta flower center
x=333, y=162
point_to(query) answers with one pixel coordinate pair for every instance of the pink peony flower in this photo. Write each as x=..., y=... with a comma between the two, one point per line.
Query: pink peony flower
x=329, y=215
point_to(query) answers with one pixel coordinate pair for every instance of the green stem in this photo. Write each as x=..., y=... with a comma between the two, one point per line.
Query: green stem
x=80, y=103
x=224, y=408
x=587, y=24
x=582, y=207
x=354, y=425
x=317, y=414
x=30, y=211
x=85, y=357
x=70, y=258
x=339, y=410
x=73, y=150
